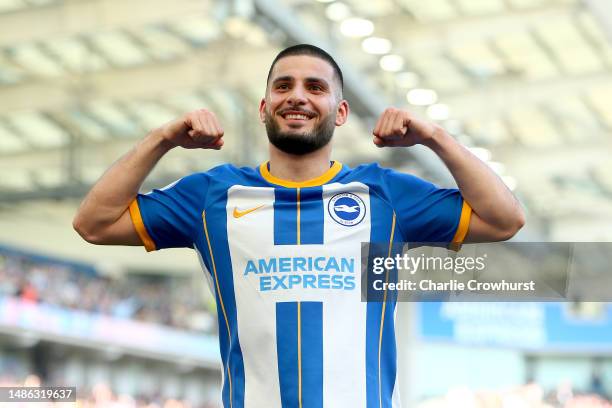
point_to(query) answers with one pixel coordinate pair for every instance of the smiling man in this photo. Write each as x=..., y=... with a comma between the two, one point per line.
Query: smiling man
x=280, y=243
x=298, y=128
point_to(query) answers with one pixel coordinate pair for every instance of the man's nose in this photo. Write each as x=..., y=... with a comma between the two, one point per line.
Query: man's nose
x=297, y=96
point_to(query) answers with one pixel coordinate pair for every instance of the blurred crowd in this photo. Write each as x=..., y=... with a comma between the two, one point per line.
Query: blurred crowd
x=526, y=396
x=176, y=302
x=100, y=396
x=170, y=301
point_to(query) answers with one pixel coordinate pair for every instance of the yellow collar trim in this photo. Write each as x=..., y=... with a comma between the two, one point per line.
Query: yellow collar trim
x=322, y=179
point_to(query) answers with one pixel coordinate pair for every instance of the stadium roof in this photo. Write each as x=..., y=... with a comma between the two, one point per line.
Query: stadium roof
x=526, y=84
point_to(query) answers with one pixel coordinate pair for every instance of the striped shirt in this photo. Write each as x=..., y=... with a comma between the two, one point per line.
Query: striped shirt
x=284, y=262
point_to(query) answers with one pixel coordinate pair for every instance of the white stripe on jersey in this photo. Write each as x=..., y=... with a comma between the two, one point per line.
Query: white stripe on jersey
x=344, y=322
x=249, y=237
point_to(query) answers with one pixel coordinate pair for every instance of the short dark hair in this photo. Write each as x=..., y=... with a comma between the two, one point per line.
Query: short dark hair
x=311, y=50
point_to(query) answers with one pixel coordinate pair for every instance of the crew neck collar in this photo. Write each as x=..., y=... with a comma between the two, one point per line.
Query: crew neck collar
x=318, y=181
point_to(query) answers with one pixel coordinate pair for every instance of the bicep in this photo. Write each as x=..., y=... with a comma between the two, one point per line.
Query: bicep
x=480, y=231
x=121, y=232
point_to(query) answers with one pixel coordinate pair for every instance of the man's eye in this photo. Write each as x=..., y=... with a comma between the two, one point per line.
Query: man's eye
x=283, y=86
x=316, y=88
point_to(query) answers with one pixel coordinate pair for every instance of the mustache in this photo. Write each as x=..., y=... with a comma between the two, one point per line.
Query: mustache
x=305, y=111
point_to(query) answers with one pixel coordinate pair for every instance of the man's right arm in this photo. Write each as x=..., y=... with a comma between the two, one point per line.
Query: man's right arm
x=103, y=217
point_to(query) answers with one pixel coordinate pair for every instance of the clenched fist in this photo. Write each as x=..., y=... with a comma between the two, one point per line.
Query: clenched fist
x=199, y=129
x=397, y=127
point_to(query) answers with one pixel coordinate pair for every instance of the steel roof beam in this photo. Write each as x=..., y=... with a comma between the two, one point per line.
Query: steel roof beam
x=75, y=17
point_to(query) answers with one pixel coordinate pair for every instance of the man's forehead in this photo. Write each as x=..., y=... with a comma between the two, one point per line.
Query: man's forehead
x=302, y=66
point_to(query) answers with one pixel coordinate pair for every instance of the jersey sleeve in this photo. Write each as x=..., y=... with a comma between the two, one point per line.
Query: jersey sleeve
x=427, y=213
x=170, y=217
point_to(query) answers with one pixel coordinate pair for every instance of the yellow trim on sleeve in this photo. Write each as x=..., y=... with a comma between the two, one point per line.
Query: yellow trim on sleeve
x=464, y=223
x=322, y=179
x=141, y=230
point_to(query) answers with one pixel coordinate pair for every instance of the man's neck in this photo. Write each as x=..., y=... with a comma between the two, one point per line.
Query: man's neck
x=299, y=167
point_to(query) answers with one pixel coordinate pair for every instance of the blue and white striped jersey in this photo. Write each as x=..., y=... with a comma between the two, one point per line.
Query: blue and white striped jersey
x=284, y=260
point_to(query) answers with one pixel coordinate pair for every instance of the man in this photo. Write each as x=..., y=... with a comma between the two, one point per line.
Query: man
x=281, y=243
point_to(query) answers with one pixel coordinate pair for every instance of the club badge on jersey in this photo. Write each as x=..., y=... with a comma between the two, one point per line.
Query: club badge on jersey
x=346, y=209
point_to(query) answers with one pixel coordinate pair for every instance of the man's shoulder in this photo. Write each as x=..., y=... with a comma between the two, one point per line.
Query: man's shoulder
x=229, y=174
x=374, y=168
x=366, y=168
x=366, y=172
x=374, y=173
x=222, y=169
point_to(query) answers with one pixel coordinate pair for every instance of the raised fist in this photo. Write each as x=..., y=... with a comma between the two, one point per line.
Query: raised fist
x=199, y=129
x=396, y=127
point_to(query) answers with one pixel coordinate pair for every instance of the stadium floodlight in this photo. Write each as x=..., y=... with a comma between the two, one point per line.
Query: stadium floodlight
x=392, y=63
x=337, y=11
x=376, y=45
x=422, y=97
x=356, y=27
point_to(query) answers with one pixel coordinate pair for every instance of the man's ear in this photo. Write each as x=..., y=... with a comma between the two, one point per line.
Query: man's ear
x=262, y=110
x=342, y=112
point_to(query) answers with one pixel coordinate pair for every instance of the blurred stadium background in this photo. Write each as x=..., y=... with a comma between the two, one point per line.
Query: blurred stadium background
x=526, y=84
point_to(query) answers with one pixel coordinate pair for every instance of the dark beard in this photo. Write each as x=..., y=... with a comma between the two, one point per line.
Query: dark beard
x=300, y=143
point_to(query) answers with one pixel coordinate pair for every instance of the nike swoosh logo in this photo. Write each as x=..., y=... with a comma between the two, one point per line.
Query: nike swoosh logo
x=238, y=213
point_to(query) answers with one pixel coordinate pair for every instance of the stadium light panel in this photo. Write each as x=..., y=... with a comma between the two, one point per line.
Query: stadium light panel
x=392, y=63
x=38, y=129
x=422, y=97
x=376, y=45
x=356, y=27
x=337, y=11
x=119, y=49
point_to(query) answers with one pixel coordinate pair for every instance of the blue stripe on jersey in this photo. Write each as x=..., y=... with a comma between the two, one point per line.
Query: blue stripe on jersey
x=285, y=216
x=231, y=352
x=388, y=355
x=311, y=215
x=374, y=312
x=287, y=351
x=311, y=317
x=299, y=346
x=380, y=338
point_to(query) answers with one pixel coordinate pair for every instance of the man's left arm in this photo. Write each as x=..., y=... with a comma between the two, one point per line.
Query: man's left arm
x=497, y=214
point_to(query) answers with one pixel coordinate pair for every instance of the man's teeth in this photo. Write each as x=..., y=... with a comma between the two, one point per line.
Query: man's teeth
x=293, y=116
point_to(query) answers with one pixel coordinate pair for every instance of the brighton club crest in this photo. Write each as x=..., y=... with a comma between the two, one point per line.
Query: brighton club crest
x=346, y=209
